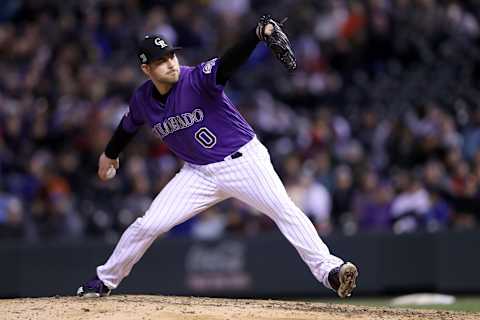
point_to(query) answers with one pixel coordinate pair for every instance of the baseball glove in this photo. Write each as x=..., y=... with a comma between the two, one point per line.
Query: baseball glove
x=278, y=41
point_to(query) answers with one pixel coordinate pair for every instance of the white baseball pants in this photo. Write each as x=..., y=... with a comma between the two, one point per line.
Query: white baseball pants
x=250, y=178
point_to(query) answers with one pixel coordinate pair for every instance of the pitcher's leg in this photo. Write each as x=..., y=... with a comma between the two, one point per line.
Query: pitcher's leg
x=254, y=181
x=187, y=194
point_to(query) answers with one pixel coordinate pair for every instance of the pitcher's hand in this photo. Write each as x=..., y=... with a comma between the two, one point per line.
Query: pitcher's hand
x=104, y=164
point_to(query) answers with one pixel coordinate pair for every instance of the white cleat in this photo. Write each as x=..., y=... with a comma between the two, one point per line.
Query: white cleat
x=343, y=279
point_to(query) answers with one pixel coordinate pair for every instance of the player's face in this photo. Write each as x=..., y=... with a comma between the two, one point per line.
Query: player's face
x=166, y=69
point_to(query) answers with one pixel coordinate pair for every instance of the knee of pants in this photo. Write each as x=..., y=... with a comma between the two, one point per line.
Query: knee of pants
x=150, y=228
x=285, y=209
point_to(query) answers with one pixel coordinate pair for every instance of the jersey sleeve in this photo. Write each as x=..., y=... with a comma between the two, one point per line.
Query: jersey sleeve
x=133, y=119
x=204, y=76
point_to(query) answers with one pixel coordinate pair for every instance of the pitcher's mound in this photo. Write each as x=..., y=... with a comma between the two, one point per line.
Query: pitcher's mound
x=130, y=307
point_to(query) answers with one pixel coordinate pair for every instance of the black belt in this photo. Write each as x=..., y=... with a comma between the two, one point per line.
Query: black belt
x=236, y=155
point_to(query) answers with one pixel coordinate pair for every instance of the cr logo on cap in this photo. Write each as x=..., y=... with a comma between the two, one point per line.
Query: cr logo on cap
x=160, y=42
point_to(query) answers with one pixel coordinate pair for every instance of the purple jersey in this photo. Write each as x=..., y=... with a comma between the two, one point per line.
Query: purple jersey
x=197, y=122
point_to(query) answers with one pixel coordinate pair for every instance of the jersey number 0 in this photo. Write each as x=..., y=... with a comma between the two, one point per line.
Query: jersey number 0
x=205, y=137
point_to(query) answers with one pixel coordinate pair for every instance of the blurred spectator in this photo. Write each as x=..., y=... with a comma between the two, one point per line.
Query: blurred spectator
x=12, y=223
x=313, y=199
x=410, y=205
x=209, y=225
x=342, y=195
x=373, y=204
x=382, y=112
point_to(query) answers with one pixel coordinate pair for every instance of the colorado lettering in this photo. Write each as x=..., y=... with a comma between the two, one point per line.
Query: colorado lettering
x=178, y=122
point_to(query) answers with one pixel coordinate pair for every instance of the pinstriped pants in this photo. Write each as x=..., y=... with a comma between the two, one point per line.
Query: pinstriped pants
x=251, y=179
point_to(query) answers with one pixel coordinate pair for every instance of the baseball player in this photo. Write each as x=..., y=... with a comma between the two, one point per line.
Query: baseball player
x=187, y=108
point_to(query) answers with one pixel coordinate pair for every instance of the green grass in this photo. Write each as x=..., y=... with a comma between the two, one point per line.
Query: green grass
x=468, y=304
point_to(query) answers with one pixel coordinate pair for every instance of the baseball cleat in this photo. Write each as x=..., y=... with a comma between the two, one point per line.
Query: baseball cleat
x=93, y=288
x=343, y=279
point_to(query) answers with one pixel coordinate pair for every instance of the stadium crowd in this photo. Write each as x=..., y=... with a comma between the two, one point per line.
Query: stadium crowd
x=377, y=131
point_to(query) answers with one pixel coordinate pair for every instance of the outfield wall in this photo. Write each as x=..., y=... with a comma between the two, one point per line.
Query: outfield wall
x=266, y=265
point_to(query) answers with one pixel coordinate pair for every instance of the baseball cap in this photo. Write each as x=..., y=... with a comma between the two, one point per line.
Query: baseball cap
x=154, y=47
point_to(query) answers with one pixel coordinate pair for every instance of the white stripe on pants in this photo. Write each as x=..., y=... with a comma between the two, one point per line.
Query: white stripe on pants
x=250, y=178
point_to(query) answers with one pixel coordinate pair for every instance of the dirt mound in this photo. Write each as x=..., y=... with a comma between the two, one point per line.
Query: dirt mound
x=172, y=308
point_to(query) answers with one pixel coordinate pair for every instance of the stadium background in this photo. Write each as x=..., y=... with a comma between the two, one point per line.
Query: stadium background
x=376, y=137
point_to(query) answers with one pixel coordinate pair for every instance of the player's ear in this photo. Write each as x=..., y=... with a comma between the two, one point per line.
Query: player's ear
x=145, y=68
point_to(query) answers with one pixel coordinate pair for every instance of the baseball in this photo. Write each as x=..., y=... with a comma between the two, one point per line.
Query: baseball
x=111, y=172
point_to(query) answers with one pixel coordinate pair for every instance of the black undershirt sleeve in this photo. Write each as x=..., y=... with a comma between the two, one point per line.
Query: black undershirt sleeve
x=234, y=57
x=119, y=140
